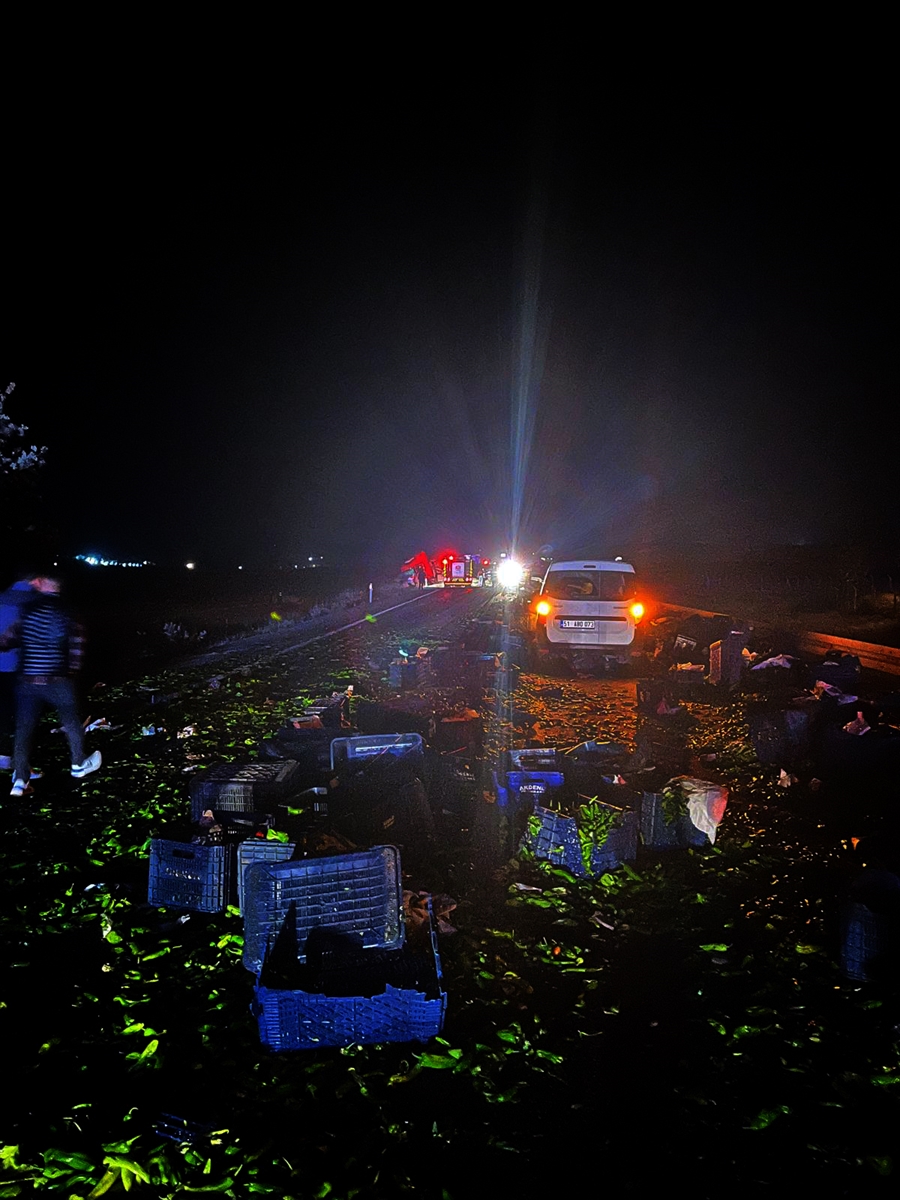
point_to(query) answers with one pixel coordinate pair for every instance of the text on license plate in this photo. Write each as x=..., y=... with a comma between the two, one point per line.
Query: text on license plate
x=576, y=624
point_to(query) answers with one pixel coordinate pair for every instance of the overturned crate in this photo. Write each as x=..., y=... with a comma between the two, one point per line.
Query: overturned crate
x=186, y=875
x=558, y=839
x=306, y=741
x=352, y=754
x=248, y=787
x=658, y=832
x=332, y=711
x=326, y=939
x=535, y=758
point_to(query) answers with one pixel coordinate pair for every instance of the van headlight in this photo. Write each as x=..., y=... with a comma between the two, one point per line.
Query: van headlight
x=509, y=574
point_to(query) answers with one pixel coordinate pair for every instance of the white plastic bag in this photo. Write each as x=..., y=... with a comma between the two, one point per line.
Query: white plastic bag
x=705, y=802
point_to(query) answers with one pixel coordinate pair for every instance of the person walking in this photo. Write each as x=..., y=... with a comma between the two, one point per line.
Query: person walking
x=51, y=646
x=11, y=602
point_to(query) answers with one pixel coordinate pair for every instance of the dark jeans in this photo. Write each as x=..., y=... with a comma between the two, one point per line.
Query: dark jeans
x=7, y=711
x=31, y=699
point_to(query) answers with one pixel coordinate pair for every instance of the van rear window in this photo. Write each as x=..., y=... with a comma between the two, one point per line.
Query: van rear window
x=590, y=585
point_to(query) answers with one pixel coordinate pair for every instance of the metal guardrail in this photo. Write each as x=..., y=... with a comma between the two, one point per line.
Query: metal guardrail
x=875, y=658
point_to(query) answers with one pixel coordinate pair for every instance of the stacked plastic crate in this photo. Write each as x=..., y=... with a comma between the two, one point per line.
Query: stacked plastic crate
x=241, y=797
x=326, y=938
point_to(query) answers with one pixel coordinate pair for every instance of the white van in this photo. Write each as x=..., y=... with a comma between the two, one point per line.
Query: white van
x=587, y=607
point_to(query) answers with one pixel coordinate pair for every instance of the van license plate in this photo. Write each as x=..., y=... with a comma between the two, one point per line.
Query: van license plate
x=576, y=624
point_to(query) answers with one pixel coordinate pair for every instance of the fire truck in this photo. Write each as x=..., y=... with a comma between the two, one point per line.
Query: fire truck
x=449, y=569
x=461, y=570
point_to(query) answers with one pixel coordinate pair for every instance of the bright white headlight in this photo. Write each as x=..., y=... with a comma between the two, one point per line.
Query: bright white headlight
x=509, y=573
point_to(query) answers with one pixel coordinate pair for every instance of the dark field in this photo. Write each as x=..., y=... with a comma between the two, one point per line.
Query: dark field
x=138, y=618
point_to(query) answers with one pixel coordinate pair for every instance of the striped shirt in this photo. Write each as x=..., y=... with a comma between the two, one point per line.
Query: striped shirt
x=51, y=643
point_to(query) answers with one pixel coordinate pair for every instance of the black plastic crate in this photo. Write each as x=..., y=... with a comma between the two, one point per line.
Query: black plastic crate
x=779, y=737
x=454, y=664
x=248, y=787
x=405, y=674
x=461, y=731
x=398, y=714
x=375, y=807
x=538, y=758
x=309, y=747
x=333, y=711
x=456, y=787
x=185, y=875
x=381, y=794
x=842, y=671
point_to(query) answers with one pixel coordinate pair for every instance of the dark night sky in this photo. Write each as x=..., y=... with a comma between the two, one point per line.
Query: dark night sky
x=263, y=322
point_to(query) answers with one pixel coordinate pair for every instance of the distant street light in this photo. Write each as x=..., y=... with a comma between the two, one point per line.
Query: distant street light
x=190, y=566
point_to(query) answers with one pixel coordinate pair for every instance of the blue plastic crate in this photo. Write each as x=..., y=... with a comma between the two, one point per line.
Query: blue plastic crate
x=658, y=834
x=390, y=996
x=554, y=837
x=528, y=787
x=384, y=747
x=255, y=850
x=242, y=787
x=359, y=895
x=865, y=937
x=183, y=875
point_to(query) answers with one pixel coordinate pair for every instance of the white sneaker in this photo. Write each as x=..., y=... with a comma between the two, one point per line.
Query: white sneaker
x=20, y=787
x=91, y=763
